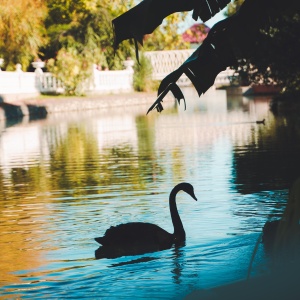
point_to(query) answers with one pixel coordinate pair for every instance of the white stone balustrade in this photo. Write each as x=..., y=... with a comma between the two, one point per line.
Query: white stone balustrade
x=18, y=83
x=224, y=78
x=21, y=85
x=111, y=81
x=165, y=62
x=49, y=84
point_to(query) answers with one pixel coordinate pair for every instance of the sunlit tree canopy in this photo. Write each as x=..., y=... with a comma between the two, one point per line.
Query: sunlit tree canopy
x=22, y=31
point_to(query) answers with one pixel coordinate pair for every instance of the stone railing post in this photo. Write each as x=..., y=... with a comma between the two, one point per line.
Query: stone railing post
x=93, y=82
x=1, y=63
x=38, y=65
x=19, y=68
x=128, y=64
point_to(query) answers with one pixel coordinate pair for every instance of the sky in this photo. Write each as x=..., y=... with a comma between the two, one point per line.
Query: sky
x=218, y=17
x=189, y=21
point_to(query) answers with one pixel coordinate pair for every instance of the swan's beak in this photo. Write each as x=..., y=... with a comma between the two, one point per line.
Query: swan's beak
x=193, y=196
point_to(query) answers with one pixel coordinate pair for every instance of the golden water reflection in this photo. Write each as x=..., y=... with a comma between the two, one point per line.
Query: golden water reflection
x=22, y=235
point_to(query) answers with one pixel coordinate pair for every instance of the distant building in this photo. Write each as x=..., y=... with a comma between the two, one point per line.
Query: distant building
x=196, y=34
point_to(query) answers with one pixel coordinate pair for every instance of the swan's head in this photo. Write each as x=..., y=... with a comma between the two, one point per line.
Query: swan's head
x=188, y=188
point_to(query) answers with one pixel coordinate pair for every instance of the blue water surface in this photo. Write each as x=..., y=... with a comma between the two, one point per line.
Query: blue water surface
x=66, y=179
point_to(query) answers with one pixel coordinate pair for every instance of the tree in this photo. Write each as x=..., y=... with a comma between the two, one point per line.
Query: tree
x=88, y=23
x=142, y=76
x=22, y=31
x=70, y=68
x=166, y=36
x=228, y=42
x=81, y=35
x=196, y=34
x=145, y=17
x=82, y=32
x=276, y=59
x=233, y=7
x=86, y=26
x=273, y=62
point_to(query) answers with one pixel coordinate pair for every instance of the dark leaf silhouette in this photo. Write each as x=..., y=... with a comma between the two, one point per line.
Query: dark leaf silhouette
x=174, y=88
x=228, y=41
x=149, y=14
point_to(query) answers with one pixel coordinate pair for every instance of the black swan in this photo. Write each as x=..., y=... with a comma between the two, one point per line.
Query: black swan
x=138, y=237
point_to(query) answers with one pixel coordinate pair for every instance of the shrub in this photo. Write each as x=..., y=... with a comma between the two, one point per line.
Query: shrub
x=72, y=69
x=142, y=78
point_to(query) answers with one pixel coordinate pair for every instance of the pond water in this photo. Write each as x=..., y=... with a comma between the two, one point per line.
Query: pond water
x=66, y=179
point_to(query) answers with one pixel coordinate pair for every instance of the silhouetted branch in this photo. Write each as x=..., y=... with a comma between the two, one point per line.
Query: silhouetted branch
x=149, y=14
x=228, y=41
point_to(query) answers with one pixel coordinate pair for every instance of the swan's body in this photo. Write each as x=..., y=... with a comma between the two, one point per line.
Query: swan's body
x=137, y=237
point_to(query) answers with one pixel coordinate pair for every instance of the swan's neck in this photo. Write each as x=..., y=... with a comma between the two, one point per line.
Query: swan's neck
x=178, y=227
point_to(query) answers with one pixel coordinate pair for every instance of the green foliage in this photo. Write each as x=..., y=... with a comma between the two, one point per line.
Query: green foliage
x=22, y=31
x=86, y=26
x=142, y=77
x=233, y=7
x=276, y=58
x=72, y=69
x=79, y=34
x=166, y=36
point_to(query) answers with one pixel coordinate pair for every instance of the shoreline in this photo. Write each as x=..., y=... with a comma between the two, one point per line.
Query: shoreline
x=40, y=107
